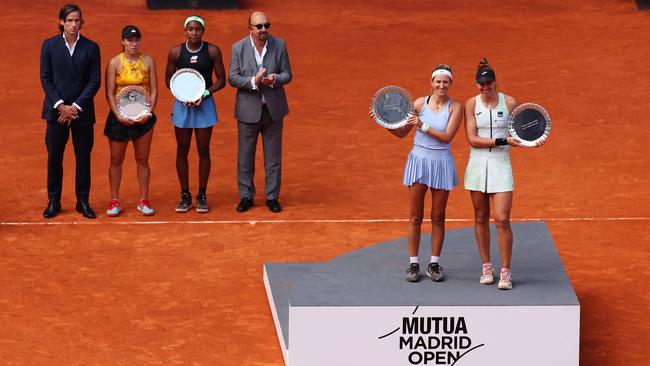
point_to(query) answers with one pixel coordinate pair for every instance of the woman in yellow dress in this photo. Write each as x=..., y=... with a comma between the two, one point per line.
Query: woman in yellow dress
x=130, y=68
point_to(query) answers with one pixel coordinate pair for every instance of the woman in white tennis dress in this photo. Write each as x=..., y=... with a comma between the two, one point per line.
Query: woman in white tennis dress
x=488, y=176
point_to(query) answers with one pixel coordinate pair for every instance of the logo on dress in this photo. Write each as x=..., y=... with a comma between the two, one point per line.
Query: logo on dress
x=500, y=114
x=194, y=59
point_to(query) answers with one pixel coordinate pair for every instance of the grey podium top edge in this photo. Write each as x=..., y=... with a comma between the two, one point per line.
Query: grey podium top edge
x=375, y=275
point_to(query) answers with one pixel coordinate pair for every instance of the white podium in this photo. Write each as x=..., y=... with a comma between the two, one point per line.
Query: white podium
x=358, y=309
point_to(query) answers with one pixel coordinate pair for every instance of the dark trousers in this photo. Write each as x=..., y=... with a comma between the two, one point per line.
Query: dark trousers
x=56, y=138
x=247, y=134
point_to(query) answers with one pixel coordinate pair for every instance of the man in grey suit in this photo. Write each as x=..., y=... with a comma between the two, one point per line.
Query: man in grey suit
x=259, y=69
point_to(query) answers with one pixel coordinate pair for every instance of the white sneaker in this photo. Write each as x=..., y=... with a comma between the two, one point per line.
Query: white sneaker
x=505, y=282
x=487, y=275
x=145, y=207
x=114, y=208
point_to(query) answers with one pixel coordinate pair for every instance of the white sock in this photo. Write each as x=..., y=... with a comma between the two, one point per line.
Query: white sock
x=434, y=259
x=414, y=259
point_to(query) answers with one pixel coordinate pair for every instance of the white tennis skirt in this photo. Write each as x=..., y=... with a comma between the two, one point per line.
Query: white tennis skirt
x=489, y=171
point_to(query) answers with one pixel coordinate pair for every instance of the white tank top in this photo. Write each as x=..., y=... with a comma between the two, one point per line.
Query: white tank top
x=492, y=122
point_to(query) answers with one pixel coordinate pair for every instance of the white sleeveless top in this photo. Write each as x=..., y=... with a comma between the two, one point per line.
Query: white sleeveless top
x=492, y=122
x=488, y=169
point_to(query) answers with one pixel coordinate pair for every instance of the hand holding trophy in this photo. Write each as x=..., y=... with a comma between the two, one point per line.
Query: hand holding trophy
x=530, y=124
x=391, y=107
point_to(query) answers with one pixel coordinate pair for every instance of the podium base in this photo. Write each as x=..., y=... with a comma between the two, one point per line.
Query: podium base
x=359, y=309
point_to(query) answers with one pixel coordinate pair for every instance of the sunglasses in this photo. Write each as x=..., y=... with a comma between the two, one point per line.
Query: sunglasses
x=260, y=26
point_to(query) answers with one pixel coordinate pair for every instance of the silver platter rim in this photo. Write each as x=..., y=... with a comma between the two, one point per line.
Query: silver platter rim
x=540, y=109
x=183, y=71
x=403, y=92
x=128, y=89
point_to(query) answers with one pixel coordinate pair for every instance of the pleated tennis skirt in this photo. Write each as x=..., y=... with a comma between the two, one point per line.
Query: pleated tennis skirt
x=489, y=172
x=116, y=131
x=203, y=116
x=434, y=168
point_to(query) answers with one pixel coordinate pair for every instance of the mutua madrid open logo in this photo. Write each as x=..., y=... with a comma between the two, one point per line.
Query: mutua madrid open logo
x=433, y=340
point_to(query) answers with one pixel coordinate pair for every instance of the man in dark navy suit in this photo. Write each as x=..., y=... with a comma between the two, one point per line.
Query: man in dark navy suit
x=70, y=76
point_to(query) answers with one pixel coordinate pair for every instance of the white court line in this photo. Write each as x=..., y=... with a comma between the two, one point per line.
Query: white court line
x=314, y=221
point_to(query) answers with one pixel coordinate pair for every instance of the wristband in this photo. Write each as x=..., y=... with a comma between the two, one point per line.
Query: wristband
x=500, y=141
x=424, y=127
x=206, y=93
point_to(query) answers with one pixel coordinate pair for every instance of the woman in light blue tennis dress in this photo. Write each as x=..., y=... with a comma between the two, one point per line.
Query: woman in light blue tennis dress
x=489, y=173
x=430, y=167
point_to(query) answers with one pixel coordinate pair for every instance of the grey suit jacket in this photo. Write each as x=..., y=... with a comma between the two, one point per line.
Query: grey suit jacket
x=248, y=104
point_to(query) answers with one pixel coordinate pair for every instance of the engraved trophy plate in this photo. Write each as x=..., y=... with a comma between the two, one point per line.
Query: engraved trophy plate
x=132, y=102
x=392, y=106
x=187, y=85
x=530, y=124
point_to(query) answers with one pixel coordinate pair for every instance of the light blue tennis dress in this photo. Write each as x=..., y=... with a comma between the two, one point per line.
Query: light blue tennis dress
x=430, y=161
x=488, y=169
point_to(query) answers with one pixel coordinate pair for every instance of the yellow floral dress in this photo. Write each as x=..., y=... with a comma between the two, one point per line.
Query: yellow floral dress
x=129, y=74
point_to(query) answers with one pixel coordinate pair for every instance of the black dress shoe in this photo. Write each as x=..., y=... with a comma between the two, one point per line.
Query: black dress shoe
x=244, y=205
x=273, y=205
x=84, y=209
x=53, y=208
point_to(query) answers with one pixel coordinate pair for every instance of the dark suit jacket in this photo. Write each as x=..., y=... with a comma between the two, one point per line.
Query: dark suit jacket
x=73, y=79
x=248, y=105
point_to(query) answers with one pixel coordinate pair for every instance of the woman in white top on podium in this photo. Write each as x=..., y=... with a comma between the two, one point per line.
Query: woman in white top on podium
x=488, y=176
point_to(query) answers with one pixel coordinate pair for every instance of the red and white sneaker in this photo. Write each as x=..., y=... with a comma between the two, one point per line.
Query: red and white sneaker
x=487, y=274
x=145, y=207
x=114, y=208
x=505, y=282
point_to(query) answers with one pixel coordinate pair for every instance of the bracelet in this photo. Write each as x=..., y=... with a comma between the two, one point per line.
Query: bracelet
x=424, y=127
x=500, y=141
x=206, y=93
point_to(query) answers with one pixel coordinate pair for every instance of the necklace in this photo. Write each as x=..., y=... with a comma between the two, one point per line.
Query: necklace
x=437, y=106
x=132, y=65
x=187, y=46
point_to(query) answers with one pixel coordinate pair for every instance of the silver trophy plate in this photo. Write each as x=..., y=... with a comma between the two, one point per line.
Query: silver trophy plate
x=530, y=124
x=187, y=85
x=392, y=106
x=132, y=102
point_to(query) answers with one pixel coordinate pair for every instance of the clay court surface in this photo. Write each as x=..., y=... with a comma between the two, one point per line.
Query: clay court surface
x=187, y=288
